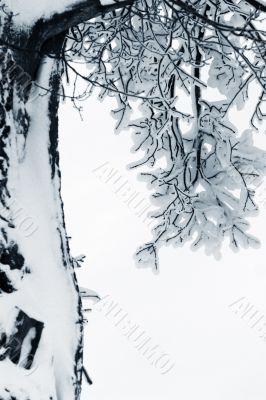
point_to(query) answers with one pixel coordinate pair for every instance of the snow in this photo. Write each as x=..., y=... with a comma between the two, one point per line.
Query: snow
x=49, y=281
x=107, y=2
x=58, y=309
x=27, y=12
x=25, y=386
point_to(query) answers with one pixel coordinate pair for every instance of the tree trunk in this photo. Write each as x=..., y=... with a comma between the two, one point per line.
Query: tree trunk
x=41, y=322
x=41, y=316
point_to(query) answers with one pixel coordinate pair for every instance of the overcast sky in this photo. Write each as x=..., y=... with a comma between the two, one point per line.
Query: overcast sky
x=184, y=309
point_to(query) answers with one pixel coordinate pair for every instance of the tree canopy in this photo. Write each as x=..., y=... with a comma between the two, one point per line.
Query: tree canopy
x=163, y=57
x=186, y=66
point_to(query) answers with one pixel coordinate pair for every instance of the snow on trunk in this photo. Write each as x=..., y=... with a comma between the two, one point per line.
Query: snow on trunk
x=40, y=307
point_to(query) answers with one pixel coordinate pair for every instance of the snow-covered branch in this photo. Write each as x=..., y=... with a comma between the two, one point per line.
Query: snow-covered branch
x=67, y=12
x=142, y=54
x=78, y=12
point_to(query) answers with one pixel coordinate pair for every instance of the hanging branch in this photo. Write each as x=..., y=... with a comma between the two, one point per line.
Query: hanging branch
x=157, y=52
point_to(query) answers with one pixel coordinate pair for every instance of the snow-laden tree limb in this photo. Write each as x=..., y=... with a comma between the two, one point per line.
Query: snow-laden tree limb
x=157, y=52
x=73, y=12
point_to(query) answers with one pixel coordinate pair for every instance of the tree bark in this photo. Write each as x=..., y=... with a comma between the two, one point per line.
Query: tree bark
x=41, y=316
x=41, y=322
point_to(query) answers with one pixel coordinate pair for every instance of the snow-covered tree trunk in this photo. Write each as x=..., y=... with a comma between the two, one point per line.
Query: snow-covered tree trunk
x=40, y=305
x=41, y=318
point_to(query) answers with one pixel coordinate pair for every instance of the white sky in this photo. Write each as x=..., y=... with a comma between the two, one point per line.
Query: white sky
x=184, y=309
